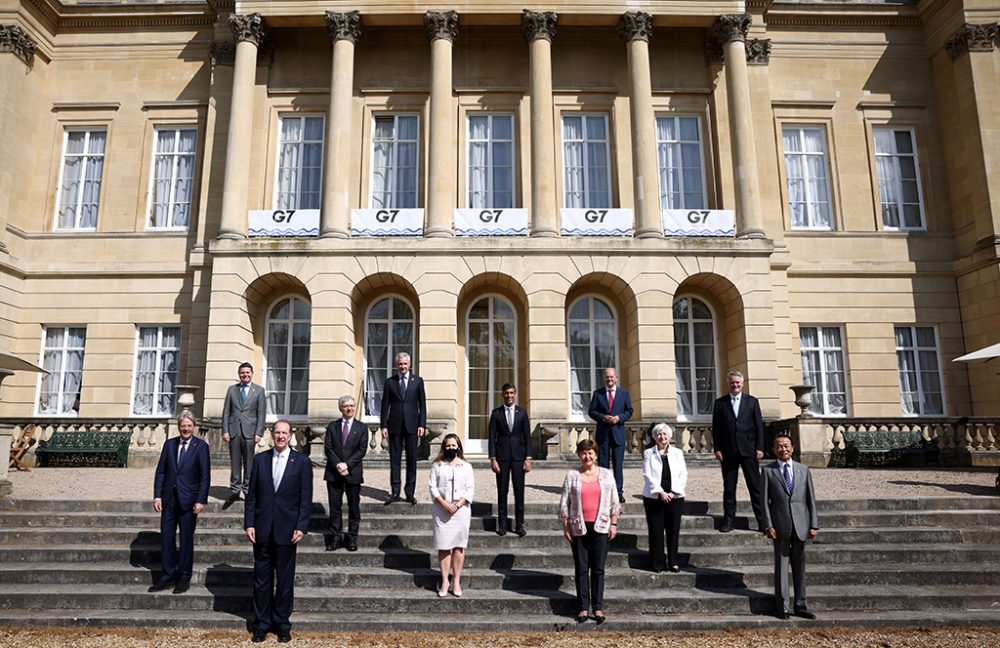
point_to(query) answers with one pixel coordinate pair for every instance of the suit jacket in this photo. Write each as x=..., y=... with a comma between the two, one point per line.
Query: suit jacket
x=790, y=514
x=506, y=444
x=244, y=419
x=189, y=481
x=599, y=408
x=403, y=413
x=278, y=514
x=737, y=436
x=350, y=453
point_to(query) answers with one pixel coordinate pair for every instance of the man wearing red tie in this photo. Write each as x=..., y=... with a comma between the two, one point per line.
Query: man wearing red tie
x=611, y=407
x=345, y=445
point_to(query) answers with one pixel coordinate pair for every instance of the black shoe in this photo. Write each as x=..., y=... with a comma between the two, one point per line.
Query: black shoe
x=258, y=636
x=782, y=615
x=582, y=618
x=351, y=544
x=520, y=531
x=284, y=637
x=501, y=527
x=333, y=543
x=411, y=499
x=182, y=586
x=160, y=585
x=675, y=568
x=392, y=499
x=727, y=526
x=805, y=614
x=600, y=618
x=621, y=500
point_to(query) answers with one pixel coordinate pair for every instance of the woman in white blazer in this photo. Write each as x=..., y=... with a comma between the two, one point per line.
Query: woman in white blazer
x=452, y=484
x=664, y=478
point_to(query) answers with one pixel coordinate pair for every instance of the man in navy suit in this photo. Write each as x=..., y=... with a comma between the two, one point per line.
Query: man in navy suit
x=611, y=407
x=738, y=439
x=345, y=445
x=180, y=492
x=276, y=517
x=510, y=456
x=403, y=420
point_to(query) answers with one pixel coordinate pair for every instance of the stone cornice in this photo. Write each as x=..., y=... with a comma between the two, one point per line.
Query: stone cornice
x=973, y=38
x=876, y=15
x=635, y=25
x=344, y=26
x=539, y=25
x=111, y=17
x=249, y=27
x=441, y=25
x=16, y=41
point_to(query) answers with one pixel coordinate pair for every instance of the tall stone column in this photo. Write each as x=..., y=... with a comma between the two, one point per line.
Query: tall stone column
x=248, y=32
x=345, y=32
x=539, y=28
x=635, y=29
x=442, y=29
x=731, y=31
x=14, y=71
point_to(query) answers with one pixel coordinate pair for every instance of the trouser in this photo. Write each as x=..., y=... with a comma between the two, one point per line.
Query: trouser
x=590, y=551
x=241, y=451
x=272, y=606
x=663, y=520
x=177, y=565
x=510, y=470
x=731, y=466
x=335, y=490
x=396, y=443
x=608, y=454
x=790, y=551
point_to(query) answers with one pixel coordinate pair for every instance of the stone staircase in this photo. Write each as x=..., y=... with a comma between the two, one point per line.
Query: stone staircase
x=928, y=561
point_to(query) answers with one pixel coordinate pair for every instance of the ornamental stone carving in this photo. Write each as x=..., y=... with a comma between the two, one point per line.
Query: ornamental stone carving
x=16, y=41
x=249, y=27
x=635, y=25
x=441, y=25
x=972, y=38
x=731, y=27
x=539, y=24
x=223, y=53
x=344, y=26
x=758, y=51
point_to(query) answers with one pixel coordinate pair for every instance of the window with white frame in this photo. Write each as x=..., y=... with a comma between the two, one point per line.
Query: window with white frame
x=491, y=161
x=157, y=355
x=172, y=178
x=822, y=352
x=286, y=352
x=921, y=387
x=808, y=180
x=390, y=328
x=395, y=153
x=491, y=360
x=694, y=356
x=62, y=359
x=898, y=181
x=593, y=347
x=586, y=162
x=80, y=178
x=682, y=174
x=300, y=162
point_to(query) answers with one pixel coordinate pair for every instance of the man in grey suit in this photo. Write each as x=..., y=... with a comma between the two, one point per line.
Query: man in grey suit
x=789, y=519
x=243, y=417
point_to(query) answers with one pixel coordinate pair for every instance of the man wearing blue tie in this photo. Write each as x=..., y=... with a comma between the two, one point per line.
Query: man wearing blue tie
x=243, y=414
x=611, y=407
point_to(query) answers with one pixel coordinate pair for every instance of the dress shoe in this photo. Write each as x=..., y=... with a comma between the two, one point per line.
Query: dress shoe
x=443, y=593
x=258, y=636
x=333, y=544
x=805, y=614
x=582, y=617
x=411, y=499
x=621, y=500
x=160, y=585
x=727, y=526
x=782, y=615
x=392, y=499
x=182, y=586
x=501, y=528
x=600, y=618
x=520, y=531
x=351, y=544
x=284, y=637
x=675, y=568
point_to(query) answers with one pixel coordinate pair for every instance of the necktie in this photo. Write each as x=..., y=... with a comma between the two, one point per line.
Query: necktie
x=611, y=399
x=279, y=469
x=344, y=432
x=402, y=383
x=510, y=418
x=788, y=479
x=243, y=394
x=183, y=451
x=736, y=405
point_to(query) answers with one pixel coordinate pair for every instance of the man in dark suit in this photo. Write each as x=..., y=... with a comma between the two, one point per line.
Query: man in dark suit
x=180, y=492
x=738, y=439
x=789, y=519
x=345, y=445
x=611, y=407
x=276, y=517
x=510, y=456
x=403, y=420
x=243, y=415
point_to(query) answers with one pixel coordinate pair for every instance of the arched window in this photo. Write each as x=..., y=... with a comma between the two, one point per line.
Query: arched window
x=593, y=347
x=389, y=329
x=286, y=354
x=491, y=361
x=694, y=355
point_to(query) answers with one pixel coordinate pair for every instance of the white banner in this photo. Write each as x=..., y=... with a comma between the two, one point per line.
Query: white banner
x=698, y=222
x=596, y=222
x=491, y=222
x=387, y=222
x=283, y=222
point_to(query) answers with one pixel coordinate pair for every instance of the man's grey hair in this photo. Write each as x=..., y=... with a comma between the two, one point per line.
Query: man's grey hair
x=189, y=415
x=402, y=354
x=344, y=399
x=738, y=374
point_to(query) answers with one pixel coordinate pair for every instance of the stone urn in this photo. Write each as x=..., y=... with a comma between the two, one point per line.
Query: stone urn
x=803, y=398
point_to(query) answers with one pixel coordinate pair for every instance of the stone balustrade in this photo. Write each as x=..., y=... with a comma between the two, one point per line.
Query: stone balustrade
x=561, y=437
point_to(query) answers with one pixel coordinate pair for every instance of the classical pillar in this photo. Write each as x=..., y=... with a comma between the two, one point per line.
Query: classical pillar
x=539, y=28
x=442, y=29
x=731, y=31
x=248, y=32
x=635, y=29
x=14, y=71
x=345, y=32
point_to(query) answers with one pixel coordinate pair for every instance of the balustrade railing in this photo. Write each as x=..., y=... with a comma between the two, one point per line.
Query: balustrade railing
x=694, y=438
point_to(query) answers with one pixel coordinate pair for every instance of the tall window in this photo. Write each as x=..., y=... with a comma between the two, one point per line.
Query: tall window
x=157, y=352
x=920, y=385
x=80, y=180
x=808, y=184
x=586, y=161
x=694, y=356
x=898, y=182
x=172, y=178
x=491, y=161
x=394, y=162
x=300, y=163
x=389, y=329
x=491, y=355
x=286, y=350
x=62, y=358
x=822, y=351
x=682, y=176
x=593, y=347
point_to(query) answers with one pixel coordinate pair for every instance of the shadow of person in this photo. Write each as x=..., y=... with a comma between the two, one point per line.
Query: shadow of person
x=144, y=552
x=219, y=492
x=231, y=588
x=397, y=556
x=378, y=494
x=965, y=489
x=530, y=582
x=555, y=490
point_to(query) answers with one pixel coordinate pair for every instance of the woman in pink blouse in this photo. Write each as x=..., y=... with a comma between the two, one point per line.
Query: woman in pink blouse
x=589, y=511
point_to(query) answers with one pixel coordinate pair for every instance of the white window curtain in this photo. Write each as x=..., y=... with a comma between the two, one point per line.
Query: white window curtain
x=682, y=178
x=491, y=150
x=286, y=352
x=62, y=358
x=898, y=181
x=593, y=347
x=822, y=353
x=80, y=192
x=156, y=368
x=390, y=328
x=806, y=170
x=394, y=162
x=920, y=385
x=585, y=161
x=694, y=356
x=491, y=359
x=300, y=163
x=173, y=177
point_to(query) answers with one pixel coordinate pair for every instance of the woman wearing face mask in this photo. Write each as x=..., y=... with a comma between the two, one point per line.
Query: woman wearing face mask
x=452, y=484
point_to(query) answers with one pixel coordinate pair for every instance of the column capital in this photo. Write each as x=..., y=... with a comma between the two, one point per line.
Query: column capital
x=344, y=26
x=248, y=27
x=539, y=25
x=223, y=53
x=441, y=25
x=15, y=40
x=731, y=27
x=635, y=25
x=758, y=51
x=972, y=38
